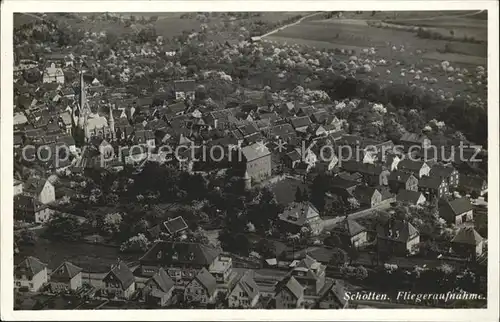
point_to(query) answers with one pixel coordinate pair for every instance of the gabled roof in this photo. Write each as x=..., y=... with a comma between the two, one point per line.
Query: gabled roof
x=255, y=151
x=181, y=253
x=459, y=206
x=30, y=266
x=442, y=171
x=472, y=181
x=207, y=280
x=164, y=282
x=430, y=182
x=411, y=165
x=363, y=168
x=396, y=230
x=412, y=137
x=467, y=235
x=349, y=226
x=408, y=196
x=122, y=273
x=299, y=213
x=294, y=287
x=364, y=193
x=299, y=122
x=65, y=271
x=399, y=176
x=27, y=204
x=247, y=283
x=35, y=185
x=184, y=85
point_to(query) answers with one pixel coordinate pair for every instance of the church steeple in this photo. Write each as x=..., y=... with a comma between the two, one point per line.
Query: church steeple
x=111, y=122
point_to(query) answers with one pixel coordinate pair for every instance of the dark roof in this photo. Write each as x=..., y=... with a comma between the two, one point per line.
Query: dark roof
x=184, y=85
x=472, y=181
x=294, y=287
x=207, y=280
x=123, y=273
x=175, y=225
x=363, y=168
x=430, y=182
x=283, y=131
x=397, y=230
x=298, y=122
x=399, y=176
x=181, y=253
x=164, y=282
x=66, y=271
x=30, y=266
x=467, y=235
x=339, y=182
x=176, y=108
x=27, y=204
x=364, y=193
x=442, y=171
x=412, y=137
x=459, y=206
x=349, y=227
x=408, y=196
x=247, y=283
x=411, y=165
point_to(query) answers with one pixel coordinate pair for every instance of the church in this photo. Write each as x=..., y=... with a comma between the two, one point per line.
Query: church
x=87, y=124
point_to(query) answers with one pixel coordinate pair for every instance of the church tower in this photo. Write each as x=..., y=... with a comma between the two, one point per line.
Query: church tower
x=111, y=123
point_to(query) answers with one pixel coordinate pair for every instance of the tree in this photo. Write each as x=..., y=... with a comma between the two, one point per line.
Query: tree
x=135, y=244
x=360, y=273
x=62, y=227
x=266, y=248
x=111, y=223
x=298, y=195
x=26, y=237
x=318, y=191
x=338, y=258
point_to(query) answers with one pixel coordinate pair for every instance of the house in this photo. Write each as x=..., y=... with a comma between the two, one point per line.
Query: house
x=467, y=242
x=298, y=156
x=184, y=89
x=310, y=274
x=289, y=295
x=245, y=293
x=301, y=123
x=411, y=197
x=351, y=232
x=342, y=186
x=367, y=196
x=29, y=209
x=18, y=187
x=391, y=161
x=433, y=187
x=473, y=184
x=417, y=168
x=30, y=274
x=221, y=268
x=397, y=237
x=298, y=215
x=175, y=225
x=53, y=74
x=413, y=140
x=41, y=189
x=180, y=260
x=221, y=119
x=333, y=296
x=449, y=173
x=257, y=161
x=399, y=180
x=119, y=282
x=66, y=277
x=456, y=211
x=202, y=289
x=373, y=175
x=158, y=290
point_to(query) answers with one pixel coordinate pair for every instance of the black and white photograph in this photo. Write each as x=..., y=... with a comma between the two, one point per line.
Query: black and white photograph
x=250, y=159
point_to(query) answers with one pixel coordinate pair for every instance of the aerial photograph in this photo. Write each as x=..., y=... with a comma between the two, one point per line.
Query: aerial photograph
x=250, y=160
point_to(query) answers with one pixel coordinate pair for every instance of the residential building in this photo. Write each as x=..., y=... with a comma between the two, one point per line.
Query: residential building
x=119, y=282
x=221, y=268
x=417, y=168
x=351, y=232
x=159, y=288
x=41, y=189
x=414, y=141
x=29, y=209
x=397, y=237
x=30, y=274
x=391, y=161
x=66, y=277
x=310, y=274
x=333, y=296
x=182, y=261
x=367, y=196
x=473, y=184
x=298, y=215
x=467, y=242
x=373, y=175
x=399, y=180
x=449, y=173
x=301, y=123
x=289, y=295
x=202, y=289
x=245, y=293
x=257, y=161
x=433, y=187
x=410, y=197
x=184, y=89
x=456, y=211
x=53, y=74
x=298, y=156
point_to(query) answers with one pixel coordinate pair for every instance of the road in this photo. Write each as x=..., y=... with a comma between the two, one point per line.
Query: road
x=291, y=24
x=360, y=214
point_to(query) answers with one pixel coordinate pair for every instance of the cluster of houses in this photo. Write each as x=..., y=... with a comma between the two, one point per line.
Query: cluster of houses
x=199, y=274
